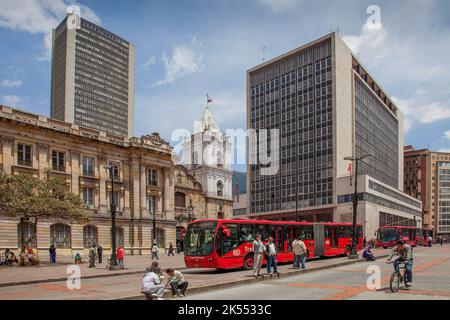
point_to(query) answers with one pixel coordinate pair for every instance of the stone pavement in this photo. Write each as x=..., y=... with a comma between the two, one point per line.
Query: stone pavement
x=123, y=286
x=47, y=273
x=431, y=281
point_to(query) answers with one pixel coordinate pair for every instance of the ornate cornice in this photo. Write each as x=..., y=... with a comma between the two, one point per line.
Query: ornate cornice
x=7, y=140
x=42, y=146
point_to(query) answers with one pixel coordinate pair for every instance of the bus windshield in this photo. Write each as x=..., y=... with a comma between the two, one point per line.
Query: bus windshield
x=199, y=239
x=388, y=235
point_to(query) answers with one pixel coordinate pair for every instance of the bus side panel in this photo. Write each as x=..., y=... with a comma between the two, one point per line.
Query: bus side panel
x=319, y=240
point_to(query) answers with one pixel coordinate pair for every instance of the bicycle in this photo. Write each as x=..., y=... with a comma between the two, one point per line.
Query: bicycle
x=398, y=277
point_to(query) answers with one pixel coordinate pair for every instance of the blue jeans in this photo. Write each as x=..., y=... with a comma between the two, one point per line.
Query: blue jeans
x=53, y=258
x=408, y=268
x=299, y=259
x=272, y=262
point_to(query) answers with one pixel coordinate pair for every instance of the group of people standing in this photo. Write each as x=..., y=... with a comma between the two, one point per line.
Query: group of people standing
x=269, y=251
x=96, y=254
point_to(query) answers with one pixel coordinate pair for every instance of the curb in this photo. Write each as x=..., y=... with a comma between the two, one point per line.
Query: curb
x=224, y=285
x=105, y=275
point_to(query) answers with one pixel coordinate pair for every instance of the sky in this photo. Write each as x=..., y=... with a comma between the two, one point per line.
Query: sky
x=186, y=49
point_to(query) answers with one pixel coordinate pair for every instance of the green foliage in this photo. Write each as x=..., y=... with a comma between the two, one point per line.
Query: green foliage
x=24, y=197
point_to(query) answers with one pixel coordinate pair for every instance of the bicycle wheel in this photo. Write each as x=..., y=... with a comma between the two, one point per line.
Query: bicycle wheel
x=394, y=283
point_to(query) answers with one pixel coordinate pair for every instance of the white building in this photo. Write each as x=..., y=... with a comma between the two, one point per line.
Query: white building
x=207, y=157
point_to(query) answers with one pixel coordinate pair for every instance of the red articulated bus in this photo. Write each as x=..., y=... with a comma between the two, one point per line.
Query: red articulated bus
x=228, y=244
x=387, y=237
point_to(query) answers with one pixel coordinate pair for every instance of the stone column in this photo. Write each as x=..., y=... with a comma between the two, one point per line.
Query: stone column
x=8, y=154
x=143, y=198
x=75, y=171
x=103, y=202
x=42, y=149
x=127, y=185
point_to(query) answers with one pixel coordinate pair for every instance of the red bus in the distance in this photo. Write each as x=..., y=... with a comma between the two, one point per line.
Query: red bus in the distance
x=227, y=244
x=387, y=237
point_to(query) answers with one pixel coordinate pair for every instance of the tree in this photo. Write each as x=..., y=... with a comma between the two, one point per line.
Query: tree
x=26, y=198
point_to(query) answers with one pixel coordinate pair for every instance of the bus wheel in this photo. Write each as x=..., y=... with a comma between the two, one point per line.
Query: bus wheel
x=248, y=262
x=347, y=250
x=384, y=247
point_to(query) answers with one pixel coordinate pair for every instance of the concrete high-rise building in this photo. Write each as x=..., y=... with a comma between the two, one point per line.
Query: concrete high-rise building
x=427, y=178
x=327, y=107
x=92, y=77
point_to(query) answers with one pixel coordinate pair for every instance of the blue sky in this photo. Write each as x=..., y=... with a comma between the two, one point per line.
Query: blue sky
x=186, y=49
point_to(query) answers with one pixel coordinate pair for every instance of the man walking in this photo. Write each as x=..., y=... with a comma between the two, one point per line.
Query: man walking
x=155, y=251
x=92, y=256
x=300, y=252
x=171, y=249
x=100, y=253
x=271, y=253
x=258, y=251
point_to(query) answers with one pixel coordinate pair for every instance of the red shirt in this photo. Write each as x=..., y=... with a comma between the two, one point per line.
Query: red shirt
x=120, y=253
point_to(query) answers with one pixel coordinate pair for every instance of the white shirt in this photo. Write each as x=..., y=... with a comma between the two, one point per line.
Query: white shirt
x=150, y=280
x=272, y=250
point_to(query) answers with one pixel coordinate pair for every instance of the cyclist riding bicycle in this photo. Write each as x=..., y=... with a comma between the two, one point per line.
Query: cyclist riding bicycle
x=405, y=255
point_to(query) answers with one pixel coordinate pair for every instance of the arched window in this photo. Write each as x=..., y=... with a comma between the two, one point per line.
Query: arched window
x=180, y=200
x=90, y=236
x=119, y=237
x=26, y=234
x=220, y=189
x=60, y=235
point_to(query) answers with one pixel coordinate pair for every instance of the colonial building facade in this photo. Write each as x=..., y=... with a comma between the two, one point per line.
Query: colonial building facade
x=143, y=183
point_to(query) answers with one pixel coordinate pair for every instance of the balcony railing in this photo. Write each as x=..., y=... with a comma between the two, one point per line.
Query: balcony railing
x=25, y=163
x=89, y=173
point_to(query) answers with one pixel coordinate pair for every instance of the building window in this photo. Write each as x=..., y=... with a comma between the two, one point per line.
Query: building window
x=115, y=168
x=88, y=196
x=114, y=198
x=90, y=236
x=24, y=155
x=152, y=205
x=58, y=161
x=119, y=236
x=60, y=235
x=88, y=166
x=152, y=177
x=180, y=200
x=220, y=189
x=26, y=234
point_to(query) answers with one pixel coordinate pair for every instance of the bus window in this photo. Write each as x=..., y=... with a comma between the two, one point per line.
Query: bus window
x=261, y=230
x=231, y=242
x=270, y=232
x=405, y=232
x=360, y=232
x=290, y=237
x=306, y=232
x=280, y=238
x=246, y=233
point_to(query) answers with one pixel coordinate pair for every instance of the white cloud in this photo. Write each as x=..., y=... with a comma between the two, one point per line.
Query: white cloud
x=11, y=83
x=404, y=63
x=10, y=100
x=149, y=63
x=39, y=17
x=447, y=134
x=279, y=5
x=185, y=60
x=424, y=113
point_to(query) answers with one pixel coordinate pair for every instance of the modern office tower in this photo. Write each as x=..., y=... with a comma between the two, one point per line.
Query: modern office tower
x=327, y=107
x=92, y=78
x=427, y=178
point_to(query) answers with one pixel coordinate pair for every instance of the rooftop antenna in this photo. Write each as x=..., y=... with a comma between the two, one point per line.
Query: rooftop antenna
x=264, y=53
x=337, y=30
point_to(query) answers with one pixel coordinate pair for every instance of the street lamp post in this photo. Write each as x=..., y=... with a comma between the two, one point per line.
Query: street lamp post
x=354, y=254
x=113, y=265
